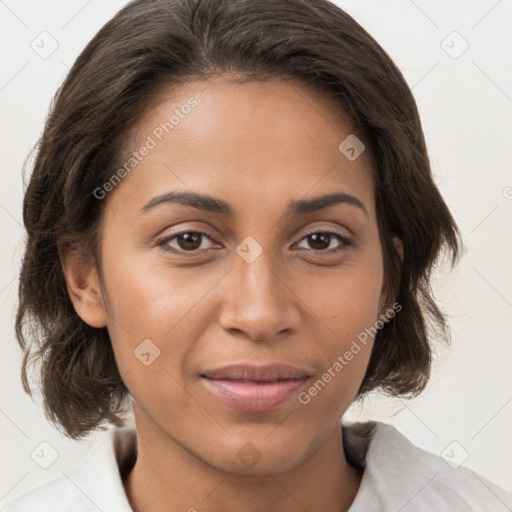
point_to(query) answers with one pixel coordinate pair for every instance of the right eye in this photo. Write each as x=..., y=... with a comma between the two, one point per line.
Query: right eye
x=184, y=242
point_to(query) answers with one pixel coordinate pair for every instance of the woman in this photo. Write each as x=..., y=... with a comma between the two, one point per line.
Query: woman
x=232, y=222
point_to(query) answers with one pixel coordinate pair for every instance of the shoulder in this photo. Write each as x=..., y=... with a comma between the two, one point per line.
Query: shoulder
x=94, y=484
x=401, y=476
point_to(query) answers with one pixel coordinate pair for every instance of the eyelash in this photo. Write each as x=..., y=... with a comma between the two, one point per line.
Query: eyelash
x=163, y=243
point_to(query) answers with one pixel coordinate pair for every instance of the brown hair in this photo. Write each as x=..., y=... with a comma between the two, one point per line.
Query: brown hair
x=151, y=45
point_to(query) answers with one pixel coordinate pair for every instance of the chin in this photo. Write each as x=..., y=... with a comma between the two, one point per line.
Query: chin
x=257, y=457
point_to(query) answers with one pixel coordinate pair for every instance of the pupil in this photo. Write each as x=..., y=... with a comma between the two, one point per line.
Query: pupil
x=321, y=238
x=191, y=240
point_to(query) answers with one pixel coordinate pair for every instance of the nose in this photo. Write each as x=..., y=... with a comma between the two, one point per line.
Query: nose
x=258, y=300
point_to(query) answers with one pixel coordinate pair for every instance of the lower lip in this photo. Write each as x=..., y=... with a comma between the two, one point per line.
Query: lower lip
x=254, y=396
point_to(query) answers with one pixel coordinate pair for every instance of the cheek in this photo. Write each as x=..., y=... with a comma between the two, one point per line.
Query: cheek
x=350, y=318
x=155, y=311
x=149, y=296
x=345, y=309
x=346, y=312
x=348, y=300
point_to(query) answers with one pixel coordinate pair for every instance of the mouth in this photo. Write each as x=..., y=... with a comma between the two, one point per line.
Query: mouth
x=256, y=396
x=255, y=389
x=267, y=373
x=254, y=381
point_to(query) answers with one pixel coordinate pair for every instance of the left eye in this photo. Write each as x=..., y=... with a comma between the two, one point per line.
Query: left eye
x=321, y=240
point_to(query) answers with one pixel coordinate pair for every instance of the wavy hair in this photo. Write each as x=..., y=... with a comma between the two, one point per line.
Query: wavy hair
x=153, y=45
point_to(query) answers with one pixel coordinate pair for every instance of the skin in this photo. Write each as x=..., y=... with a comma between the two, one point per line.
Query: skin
x=257, y=146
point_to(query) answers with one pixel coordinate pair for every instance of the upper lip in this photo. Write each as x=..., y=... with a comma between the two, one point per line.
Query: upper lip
x=267, y=373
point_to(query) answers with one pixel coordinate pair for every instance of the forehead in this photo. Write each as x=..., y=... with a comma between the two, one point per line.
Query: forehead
x=274, y=139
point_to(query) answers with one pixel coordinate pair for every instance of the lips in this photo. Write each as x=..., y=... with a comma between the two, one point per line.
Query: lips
x=267, y=373
x=253, y=388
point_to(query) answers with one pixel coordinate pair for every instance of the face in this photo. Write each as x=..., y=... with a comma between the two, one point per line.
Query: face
x=255, y=272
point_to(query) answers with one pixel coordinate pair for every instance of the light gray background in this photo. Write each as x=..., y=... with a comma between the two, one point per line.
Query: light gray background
x=466, y=106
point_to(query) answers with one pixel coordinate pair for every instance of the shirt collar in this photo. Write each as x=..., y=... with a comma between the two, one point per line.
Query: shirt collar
x=397, y=476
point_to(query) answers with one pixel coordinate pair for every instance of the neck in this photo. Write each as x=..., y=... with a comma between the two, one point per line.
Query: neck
x=166, y=476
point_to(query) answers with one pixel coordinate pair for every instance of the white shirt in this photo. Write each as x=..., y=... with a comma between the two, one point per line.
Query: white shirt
x=397, y=477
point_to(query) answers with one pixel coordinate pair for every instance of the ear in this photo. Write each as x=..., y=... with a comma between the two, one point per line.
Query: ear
x=399, y=247
x=384, y=298
x=83, y=286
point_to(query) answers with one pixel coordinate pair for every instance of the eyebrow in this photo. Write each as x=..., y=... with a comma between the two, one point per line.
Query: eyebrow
x=215, y=205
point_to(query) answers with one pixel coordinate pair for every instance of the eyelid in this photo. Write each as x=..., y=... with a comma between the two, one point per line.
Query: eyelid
x=338, y=230
x=184, y=227
x=331, y=231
